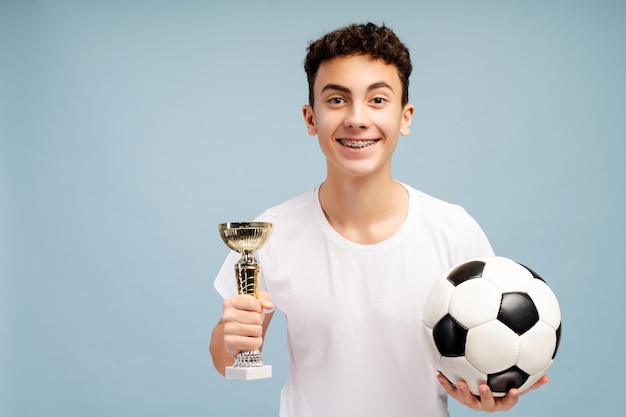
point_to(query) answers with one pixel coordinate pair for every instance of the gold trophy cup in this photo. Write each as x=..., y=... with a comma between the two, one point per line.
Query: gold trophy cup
x=246, y=238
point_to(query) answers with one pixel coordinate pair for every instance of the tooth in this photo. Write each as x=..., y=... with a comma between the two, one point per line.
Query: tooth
x=357, y=143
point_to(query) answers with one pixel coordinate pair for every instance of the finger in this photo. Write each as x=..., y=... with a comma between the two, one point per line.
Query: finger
x=453, y=390
x=243, y=302
x=508, y=401
x=240, y=329
x=447, y=385
x=466, y=397
x=487, y=401
x=265, y=300
x=450, y=389
x=241, y=336
x=235, y=344
x=235, y=319
x=542, y=381
x=241, y=311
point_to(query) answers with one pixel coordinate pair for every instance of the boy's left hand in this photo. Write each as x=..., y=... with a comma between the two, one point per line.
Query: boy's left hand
x=487, y=401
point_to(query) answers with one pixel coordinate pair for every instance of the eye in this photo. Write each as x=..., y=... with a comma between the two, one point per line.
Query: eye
x=379, y=101
x=336, y=100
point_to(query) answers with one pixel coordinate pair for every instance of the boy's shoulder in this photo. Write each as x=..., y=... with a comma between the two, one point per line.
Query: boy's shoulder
x=291, y=206
x=427, y=199
x=435, y=208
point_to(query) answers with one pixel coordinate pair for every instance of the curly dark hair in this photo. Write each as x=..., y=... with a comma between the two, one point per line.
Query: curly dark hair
x=379, y=42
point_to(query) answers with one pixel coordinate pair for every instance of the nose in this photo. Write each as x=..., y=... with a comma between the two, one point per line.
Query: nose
x=356, y=117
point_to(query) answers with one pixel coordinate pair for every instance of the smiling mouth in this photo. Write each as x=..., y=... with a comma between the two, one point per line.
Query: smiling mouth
x=356, y=144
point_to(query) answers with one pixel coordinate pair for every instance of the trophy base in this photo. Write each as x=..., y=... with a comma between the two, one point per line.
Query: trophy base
x=247, y=374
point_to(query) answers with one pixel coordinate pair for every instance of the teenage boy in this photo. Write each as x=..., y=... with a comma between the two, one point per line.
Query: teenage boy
x=350, y=262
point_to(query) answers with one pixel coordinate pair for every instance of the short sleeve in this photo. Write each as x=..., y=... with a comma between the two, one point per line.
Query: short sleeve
x=475, y=244
x=225, y=282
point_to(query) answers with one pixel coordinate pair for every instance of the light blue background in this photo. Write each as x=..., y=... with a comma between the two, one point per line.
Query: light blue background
x=131, y=128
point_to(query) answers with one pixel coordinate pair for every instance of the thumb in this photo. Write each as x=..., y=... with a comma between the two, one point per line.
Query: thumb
x=265, y=300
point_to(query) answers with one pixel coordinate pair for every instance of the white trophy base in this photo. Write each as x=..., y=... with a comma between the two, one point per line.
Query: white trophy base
x=247, y=374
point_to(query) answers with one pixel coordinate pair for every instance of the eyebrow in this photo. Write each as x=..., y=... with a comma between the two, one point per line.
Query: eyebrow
x=337, y=87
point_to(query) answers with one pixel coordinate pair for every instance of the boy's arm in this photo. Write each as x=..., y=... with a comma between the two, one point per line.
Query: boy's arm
x=242, y=327
x=221, y=357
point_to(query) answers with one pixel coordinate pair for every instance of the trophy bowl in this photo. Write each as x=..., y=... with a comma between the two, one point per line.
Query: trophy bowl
x=245, y=237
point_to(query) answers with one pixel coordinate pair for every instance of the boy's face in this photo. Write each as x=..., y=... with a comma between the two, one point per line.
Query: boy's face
x=357, y=115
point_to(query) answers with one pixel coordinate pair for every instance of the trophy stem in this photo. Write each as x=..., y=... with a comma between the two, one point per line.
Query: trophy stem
x=248, y=272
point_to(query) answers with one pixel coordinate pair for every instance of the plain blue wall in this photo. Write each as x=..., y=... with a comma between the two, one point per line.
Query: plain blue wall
x=131, y=128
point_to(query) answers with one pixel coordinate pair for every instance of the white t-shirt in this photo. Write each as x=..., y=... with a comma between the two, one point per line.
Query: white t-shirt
x=354, y=311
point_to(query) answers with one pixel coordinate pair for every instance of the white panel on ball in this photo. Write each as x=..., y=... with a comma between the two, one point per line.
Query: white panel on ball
x=536, y=348
x=431, y=346
x=492, y=347
x=508, y=275
x=437, y=303
x=475, y=302
x=459, y=368
x=546, y=302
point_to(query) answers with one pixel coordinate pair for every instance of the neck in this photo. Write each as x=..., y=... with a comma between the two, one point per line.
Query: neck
x=364, y=210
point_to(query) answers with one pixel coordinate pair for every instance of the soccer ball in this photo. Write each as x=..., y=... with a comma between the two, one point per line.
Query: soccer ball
x=492, y=320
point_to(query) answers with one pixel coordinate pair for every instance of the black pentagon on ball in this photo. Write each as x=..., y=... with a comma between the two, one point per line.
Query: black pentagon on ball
x=503, y=381
x=466, y=271
x=450, y=337
x=518, y=312
x=558, y=340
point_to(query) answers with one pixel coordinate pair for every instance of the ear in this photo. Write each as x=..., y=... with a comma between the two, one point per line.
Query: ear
x=407, y=117
x=309, y=119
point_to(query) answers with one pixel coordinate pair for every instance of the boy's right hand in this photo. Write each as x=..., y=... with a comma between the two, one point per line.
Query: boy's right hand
x=243, y=318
